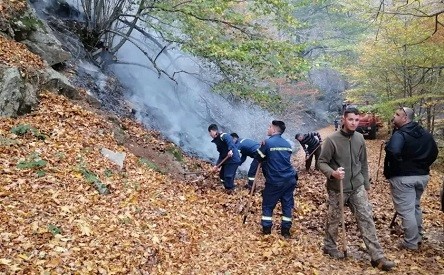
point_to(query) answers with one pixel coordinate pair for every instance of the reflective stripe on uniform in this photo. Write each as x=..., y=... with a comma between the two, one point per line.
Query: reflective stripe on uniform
x=265, y=218
x=287, y=219
x=281, y=149
x=260, y=153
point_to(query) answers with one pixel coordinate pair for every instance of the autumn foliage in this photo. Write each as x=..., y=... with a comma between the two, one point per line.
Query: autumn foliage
x=53, y=220
x=11, y=8
x=16, y=54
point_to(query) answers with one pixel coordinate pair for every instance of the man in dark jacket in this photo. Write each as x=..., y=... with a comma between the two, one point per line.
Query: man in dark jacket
x=225, y=147
x=311, y=143
x=280, y=178
x=247, y=148
x=409, y=153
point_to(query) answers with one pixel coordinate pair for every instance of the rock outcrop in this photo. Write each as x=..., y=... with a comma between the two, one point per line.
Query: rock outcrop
x=20, y=82
x=16, y=95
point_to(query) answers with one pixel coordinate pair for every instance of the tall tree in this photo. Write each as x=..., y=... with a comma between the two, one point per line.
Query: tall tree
x=247, y=42
x=402, y=63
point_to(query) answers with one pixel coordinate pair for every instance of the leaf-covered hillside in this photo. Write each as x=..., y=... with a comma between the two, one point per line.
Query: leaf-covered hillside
x=54, y=221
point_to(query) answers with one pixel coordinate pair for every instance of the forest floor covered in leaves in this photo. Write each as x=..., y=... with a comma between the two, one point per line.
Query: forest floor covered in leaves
x=157, y=221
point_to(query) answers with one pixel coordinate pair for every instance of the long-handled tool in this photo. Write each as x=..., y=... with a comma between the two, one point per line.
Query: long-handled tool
x=393, y=222
x=253, y=186
x=307, y=157
x=379, y=161
x=194, y=173
x=203, y=172
x=222, y=162
x=341, y=207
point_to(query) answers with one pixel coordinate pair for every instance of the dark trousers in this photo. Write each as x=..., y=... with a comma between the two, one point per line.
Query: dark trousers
x=272, y=194
x=316, y=155
x=227, y=174
x=252, y=172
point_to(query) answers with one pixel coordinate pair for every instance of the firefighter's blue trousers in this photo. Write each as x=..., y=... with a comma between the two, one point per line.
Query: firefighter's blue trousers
x=272, y=194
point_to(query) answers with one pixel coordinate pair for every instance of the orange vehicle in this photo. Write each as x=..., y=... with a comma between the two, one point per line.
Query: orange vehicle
x=369, y=122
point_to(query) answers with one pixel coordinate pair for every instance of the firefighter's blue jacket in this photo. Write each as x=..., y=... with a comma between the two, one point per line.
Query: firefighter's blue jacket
x=275, y=155
x=224, y=143
x=248, y=148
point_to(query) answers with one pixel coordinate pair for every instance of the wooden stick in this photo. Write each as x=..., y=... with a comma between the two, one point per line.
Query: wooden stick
x=379, y=161
x=341, y=207
x=253, y=186
x=203, y=172
x=222, y=162
x=393, y=222
x=306, y=158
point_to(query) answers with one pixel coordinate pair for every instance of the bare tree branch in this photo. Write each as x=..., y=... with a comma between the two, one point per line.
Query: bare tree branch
x=160, y=53
x=131, y=40
x=142, y=31
x=131, y=26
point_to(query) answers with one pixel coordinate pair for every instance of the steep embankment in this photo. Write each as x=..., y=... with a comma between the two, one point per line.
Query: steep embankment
x=154, y=221
x=53, y=219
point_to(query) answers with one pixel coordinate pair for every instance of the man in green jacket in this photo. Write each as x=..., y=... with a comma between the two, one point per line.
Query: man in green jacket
x=344, y=157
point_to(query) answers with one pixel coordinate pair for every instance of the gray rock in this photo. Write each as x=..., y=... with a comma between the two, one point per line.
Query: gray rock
x=40, y=40
x=57, y=82
x=115, y=157
x=16, y=96
x=119, y=135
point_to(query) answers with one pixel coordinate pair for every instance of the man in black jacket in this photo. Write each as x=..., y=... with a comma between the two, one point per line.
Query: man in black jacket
x=311, y=143
x=409, y=153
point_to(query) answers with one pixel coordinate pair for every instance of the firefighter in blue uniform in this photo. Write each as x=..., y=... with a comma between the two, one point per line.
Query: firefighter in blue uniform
x=225, y=147
x=247, y=148
x=280, y=178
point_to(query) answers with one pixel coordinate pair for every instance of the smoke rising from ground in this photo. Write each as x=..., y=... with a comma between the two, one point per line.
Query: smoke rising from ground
x=182, y=111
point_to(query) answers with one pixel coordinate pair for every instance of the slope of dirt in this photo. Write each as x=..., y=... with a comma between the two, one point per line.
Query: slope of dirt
x=154, y=221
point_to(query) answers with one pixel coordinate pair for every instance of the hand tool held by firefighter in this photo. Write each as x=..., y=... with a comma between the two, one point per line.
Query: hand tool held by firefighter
x=247, y=208
x=205, y=172
x=220, y=164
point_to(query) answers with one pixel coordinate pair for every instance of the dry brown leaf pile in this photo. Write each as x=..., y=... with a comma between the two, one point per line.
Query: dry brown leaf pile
x=53, y=221
x=9, y=8
x=16, y=54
